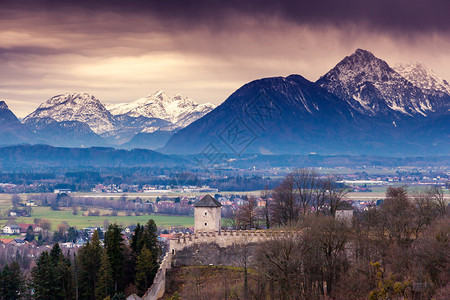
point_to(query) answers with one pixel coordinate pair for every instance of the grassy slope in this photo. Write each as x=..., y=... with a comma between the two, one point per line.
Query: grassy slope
x=208, y=282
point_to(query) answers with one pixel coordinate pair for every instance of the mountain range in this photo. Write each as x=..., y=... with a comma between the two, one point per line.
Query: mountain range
x=361, y=106
x=80, y=119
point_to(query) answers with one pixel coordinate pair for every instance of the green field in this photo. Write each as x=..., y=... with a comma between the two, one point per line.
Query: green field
x=79, y=221
x=5, y=202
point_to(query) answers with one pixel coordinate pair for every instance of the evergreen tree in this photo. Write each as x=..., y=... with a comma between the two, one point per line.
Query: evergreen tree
x=150, y=239
x=105, y=286
x=119, y=296
x=72, y=235
x=101, y=235
x=135, y=246
x=89, y=258
x=136, y=239
x=76, y=275
x=4, y=275
x=64, y=271
x=52, y=275
x=114, y=245
x=146, y=269
x=145, y=237
x=55, y=253
x=45, y=280
x=29, y=237
x=11, y=282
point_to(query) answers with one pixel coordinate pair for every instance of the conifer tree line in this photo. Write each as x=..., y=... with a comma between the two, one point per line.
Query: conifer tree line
x=99, y=270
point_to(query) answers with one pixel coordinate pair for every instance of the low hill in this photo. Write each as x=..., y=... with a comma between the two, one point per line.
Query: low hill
x=48, y=156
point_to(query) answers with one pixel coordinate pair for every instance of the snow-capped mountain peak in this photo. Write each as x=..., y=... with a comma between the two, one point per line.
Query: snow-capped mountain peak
x=372, y=87
x=81, y=107
x=179, y=110
x=423, y=77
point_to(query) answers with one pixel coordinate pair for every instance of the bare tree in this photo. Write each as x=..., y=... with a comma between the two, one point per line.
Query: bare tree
x=45, y=224
x=426, y=210
x=336, y=193
x=15, y=200
x=398, y=212
x=246, y=214
x=244, y=255
x=280, y=262
x=232, y=218
x=431, y=256
x=438, y=195
x=285, y=210
x=265, y=196
x=305, y=182
x=123, y=198
x=328, y=238
x=63, y=227
x=320, y=195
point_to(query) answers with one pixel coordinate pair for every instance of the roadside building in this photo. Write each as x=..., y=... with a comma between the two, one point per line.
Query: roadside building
x=11, y=229
x=130, y=229
x=24, y=228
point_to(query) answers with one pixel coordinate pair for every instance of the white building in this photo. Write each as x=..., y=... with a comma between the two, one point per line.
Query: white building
x=11, y=229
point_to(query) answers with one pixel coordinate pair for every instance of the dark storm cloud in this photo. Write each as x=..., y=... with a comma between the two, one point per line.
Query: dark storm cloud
x=402, y=15
x=120, y=50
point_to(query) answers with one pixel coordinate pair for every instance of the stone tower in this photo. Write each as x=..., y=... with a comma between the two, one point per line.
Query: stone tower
x=207, y=214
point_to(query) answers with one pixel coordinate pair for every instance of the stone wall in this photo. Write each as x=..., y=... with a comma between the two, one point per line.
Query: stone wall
x=212, y=254
x=222, y=239
x=158, y=287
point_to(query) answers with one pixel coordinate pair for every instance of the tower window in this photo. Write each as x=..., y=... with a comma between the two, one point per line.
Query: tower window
x=205, y=213
x=206, y=224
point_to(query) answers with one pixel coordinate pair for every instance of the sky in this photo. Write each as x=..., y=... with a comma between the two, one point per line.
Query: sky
x=120, y=51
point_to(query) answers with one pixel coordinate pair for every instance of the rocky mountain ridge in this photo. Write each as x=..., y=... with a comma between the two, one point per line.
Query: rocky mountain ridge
x=80, y=118
x=372, y=87
x=361, y=106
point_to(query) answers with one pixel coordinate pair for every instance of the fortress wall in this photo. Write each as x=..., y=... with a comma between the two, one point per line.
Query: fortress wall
x=224, y=238
x=212, y=254
x=158, y=287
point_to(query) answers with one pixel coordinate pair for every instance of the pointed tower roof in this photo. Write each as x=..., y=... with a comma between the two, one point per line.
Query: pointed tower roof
x=207, y=201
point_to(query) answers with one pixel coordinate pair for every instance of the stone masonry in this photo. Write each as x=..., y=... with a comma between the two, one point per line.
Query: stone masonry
x=207, y=217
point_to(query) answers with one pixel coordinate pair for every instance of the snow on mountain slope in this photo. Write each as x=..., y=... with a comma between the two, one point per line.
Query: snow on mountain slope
x=423, y=77
x=370, y=86
x=181, y=111
x=80, y=107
